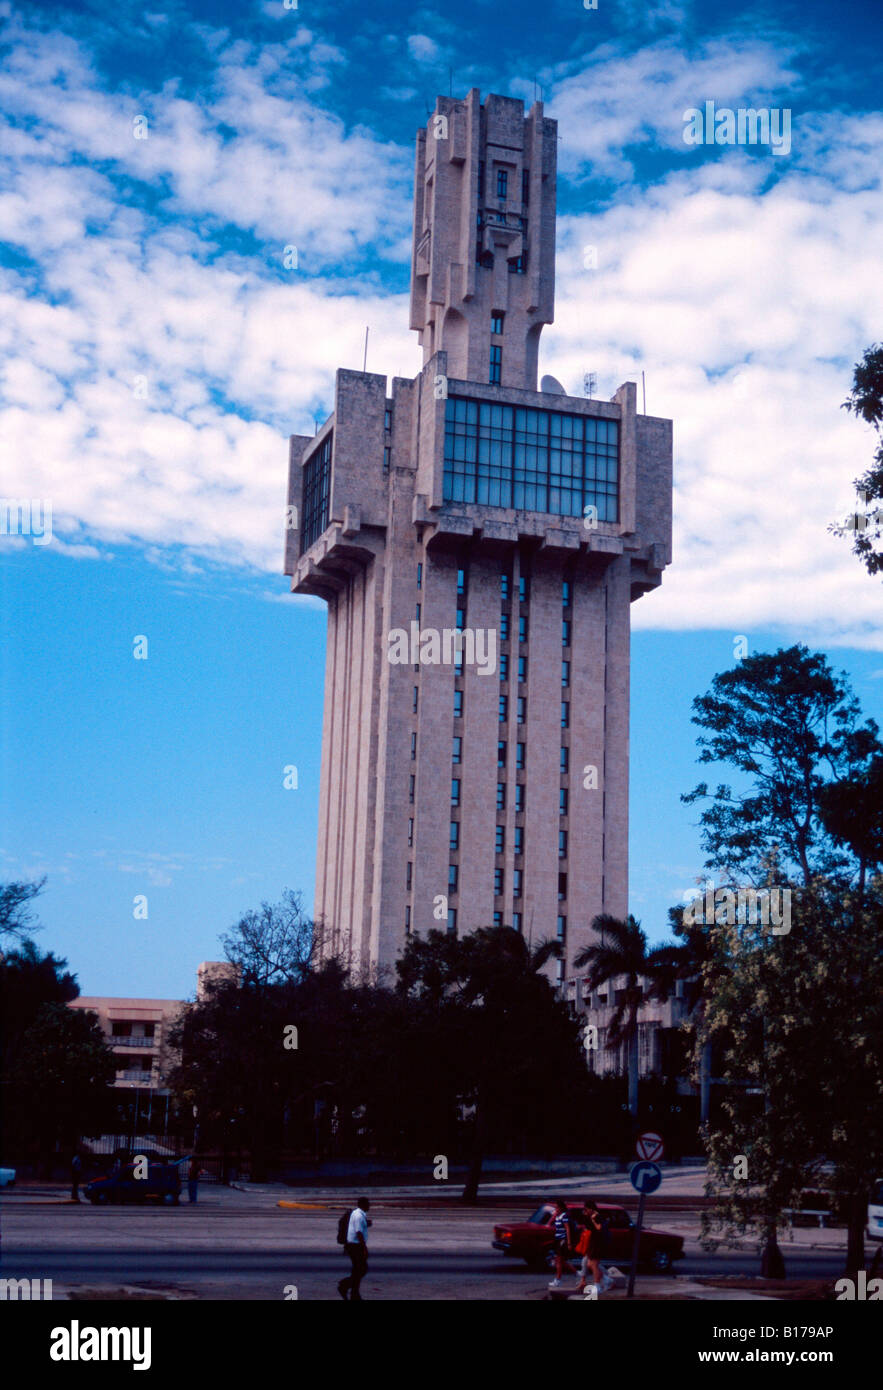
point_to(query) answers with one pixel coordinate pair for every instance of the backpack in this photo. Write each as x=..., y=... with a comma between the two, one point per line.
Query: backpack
x=343, y=1227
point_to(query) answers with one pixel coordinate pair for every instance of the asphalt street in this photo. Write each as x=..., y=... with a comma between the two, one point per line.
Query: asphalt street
x=232, y=1246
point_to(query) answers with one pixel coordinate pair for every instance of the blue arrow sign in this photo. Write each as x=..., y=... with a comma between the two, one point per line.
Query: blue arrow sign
x=645, y=1177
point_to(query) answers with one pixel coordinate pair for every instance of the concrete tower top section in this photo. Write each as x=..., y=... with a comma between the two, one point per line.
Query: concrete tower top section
x=483, y=260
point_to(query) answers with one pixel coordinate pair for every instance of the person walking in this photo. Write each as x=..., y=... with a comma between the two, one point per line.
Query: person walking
x=591, y=1247
x=356, y=1247
x=193, y=1178
x=76, y=1170
x=563, y=1243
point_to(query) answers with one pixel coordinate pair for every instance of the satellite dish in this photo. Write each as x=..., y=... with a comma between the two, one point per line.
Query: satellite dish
x=553, y=386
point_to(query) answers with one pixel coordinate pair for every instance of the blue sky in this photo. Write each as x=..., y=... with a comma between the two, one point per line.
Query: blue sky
x=157, y=352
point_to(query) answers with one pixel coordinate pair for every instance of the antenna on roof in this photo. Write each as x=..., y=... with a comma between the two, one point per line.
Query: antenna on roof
x=590, y=383
x=365, y=358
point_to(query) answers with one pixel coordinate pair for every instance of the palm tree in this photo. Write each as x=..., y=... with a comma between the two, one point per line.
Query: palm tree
x=692, y=961
x=623, y=950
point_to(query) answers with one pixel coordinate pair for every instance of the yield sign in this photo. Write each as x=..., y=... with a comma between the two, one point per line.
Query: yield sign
x=650, y=1146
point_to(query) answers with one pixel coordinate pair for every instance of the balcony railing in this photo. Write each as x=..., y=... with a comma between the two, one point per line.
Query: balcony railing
x=124, y=1040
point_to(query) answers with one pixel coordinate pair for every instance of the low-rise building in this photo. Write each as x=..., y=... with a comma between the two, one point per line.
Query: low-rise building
x=659, y=1024
x=138, y=1030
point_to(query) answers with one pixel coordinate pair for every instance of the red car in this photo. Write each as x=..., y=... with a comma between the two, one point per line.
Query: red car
x=531, y=1240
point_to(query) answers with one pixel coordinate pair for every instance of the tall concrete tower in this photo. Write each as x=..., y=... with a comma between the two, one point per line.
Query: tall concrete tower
x=478, y=543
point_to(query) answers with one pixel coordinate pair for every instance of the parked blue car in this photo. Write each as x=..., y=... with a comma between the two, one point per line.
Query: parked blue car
x=162, y=1184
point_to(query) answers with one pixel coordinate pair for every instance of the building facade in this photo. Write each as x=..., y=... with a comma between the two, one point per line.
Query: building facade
x=138, y=1030
x=478, y=542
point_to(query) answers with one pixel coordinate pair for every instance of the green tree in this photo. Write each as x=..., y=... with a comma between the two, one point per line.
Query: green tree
x=273, y=945
x=56, y=1067
x=61, y=1085
x=865, y=401
x=805, y=819
x=789, y=725
x=16, y=913
x=505, y=1042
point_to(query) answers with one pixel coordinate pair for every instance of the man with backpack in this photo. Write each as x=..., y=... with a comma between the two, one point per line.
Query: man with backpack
x=352, y=1234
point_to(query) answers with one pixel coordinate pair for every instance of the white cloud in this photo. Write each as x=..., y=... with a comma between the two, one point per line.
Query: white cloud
x=745, y=301
x=423, y=49
x=746, y=310
x=620, y=102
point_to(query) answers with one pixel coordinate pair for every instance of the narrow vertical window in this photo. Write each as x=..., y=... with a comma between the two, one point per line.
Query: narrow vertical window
x=496, y=365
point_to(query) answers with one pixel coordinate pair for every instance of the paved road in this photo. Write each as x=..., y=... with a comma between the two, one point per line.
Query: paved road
x=229, y=1246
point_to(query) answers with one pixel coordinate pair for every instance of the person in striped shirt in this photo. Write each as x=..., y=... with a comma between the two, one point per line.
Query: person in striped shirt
x=563, y=1242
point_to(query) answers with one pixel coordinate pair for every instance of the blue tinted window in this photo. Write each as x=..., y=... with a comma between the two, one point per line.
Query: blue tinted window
x=535, y=460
